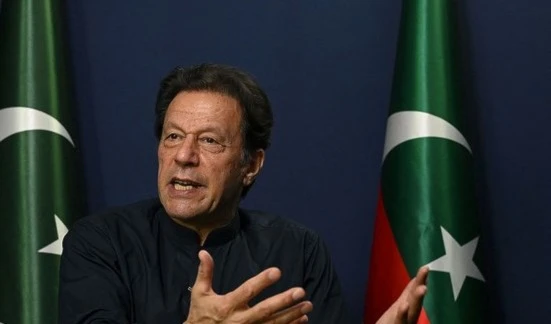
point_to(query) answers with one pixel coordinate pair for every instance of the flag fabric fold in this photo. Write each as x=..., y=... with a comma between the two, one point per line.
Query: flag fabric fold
x=40, y=187
x=426, y=212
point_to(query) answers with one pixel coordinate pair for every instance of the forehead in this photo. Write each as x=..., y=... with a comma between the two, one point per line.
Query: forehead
x=197, y=109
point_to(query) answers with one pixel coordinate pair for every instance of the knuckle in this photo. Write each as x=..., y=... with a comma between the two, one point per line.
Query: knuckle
x=222, y=309
x=264, y=312
x=248, y=292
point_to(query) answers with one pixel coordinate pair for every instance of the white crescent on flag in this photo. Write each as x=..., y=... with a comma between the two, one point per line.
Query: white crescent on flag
x=407, y=125
x=20, y=119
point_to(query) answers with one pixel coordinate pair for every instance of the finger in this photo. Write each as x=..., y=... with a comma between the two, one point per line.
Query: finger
x=294, y=314
x=301, y=320
x=252, y=287
x=274, y=304
x=419, y=279
x=404, y=296
x=422, y=275
x=203, y=282
x=416, y=301
x=417, y=293
x=402, y=313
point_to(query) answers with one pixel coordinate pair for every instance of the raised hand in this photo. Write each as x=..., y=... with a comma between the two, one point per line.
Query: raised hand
x=208, y=307
x=407, y=307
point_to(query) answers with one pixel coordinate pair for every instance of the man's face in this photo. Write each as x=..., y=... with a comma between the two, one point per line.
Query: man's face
x=201, y=171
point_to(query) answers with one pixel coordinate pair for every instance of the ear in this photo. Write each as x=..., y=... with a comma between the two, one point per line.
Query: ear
x=253, y=167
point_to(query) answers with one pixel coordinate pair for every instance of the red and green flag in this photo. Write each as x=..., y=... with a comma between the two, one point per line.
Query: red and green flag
x=40, y=192
x=427, y=213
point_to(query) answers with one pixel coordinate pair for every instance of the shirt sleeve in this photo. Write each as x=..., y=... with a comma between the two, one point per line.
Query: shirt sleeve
x=91, y=287
x=322, y=285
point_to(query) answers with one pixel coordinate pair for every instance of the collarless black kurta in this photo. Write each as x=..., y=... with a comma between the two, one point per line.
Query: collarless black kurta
x=134, y=265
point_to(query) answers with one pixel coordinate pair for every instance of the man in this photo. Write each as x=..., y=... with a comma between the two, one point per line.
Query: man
x=154, y=261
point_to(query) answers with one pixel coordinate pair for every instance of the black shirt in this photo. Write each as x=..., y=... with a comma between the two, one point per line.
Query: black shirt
x=135, y=265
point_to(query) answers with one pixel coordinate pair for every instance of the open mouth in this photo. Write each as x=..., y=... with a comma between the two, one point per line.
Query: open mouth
x=184, y=185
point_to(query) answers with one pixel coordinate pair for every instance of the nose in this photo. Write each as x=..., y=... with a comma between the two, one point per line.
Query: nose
x=188, y=152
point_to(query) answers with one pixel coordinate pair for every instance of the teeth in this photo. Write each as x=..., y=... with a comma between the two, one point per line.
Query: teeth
x=180, y=187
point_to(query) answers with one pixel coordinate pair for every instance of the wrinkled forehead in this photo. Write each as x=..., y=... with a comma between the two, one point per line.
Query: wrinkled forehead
x=204, y=109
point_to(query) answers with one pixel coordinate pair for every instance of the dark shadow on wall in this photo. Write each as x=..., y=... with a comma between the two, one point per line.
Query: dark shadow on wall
x=82, y=88
x=475, y=134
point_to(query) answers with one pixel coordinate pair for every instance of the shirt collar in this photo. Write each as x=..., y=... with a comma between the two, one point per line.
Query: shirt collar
x=185, y=238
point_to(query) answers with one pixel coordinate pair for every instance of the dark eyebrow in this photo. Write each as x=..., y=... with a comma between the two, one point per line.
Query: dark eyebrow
x=209, y=128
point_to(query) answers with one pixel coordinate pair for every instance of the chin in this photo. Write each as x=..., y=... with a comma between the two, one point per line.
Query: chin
x=182, y=213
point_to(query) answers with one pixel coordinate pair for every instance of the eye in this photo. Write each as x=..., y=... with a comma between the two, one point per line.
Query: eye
x=172, y=136
x=172, y=139
x=210, y=144
x=208, y=140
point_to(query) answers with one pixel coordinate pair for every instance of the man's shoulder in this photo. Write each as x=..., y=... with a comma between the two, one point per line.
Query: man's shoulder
x=137, y=214
x=278, y=235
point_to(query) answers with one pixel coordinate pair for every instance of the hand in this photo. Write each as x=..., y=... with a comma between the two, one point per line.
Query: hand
x=208, y=307
x=407, y=307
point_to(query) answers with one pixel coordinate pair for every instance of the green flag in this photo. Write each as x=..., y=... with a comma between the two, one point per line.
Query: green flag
x=427, y=213
x=39, y=188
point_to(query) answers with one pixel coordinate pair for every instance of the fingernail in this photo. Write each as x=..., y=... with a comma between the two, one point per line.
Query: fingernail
x=298, y=294
x=306, y=308
x=272, y=274
x=304, y=319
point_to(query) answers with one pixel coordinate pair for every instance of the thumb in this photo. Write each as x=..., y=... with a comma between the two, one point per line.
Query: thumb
x=203, y=282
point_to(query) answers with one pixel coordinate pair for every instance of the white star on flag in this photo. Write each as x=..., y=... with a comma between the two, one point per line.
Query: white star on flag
x=56, y=246
x=458, y=262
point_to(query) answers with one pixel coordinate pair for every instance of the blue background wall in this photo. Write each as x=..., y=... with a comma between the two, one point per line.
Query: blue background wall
x=327, y=67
